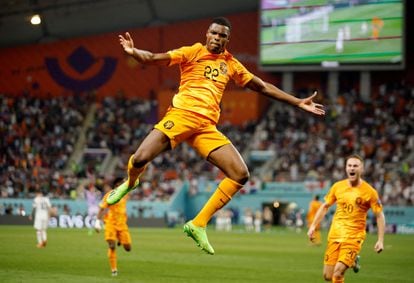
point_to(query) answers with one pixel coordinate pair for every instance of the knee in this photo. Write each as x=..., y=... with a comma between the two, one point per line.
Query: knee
x=243, y=177
x=111, y=245
x=139, y=159
x=239, y=175
x=338, y=274
x=327, y=277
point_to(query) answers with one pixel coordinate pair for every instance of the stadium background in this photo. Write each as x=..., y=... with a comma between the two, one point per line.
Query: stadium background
x=76, y=51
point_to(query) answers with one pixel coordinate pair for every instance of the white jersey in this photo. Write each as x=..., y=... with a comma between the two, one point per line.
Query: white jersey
x=42, y=206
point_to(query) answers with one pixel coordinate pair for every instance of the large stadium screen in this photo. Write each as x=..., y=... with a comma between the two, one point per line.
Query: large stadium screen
x=331, y=34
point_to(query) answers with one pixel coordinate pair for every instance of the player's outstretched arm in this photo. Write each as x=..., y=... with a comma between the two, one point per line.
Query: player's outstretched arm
x=320, y=214
x=309, y=105
x=127, y=43
x=272, y=91
x=379, y=245
x=98, y=225
x=142, y=56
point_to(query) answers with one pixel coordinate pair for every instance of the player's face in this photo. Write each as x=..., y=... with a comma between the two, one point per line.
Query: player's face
x=354, y=169
x=216, y=38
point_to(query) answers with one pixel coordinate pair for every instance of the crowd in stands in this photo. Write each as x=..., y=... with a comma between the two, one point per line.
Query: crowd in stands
x=120, y=123
x=38, y=137
x=381, y=131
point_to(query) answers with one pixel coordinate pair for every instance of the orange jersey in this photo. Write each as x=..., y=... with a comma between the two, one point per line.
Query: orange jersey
x=313, y=208
x=352, y=205
x=116, y=215
x=204, y=77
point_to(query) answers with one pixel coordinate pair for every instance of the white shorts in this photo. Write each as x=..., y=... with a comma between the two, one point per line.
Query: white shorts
x=41, y=223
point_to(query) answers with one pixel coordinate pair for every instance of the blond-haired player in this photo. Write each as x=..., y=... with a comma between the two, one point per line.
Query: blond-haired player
x=353, y=197
x=116, y=228
x=195, y=110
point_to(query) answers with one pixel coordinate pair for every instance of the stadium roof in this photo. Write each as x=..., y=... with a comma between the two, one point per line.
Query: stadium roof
x=73, y=18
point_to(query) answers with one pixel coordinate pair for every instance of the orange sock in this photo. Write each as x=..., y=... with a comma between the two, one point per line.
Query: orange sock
x=112, y=259
x=338, y=279
x=225, y=190
x=133, y=172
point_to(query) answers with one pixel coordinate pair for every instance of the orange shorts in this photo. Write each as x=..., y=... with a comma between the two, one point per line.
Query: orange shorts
x=198, y=131
x=120, y=235
x=344, y=252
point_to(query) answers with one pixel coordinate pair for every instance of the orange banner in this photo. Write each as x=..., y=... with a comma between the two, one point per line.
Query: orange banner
x=98, y=64
x=93, y=64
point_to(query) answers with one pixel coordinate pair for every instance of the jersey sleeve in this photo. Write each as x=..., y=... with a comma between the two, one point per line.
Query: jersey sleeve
x=375, y=202
x=103, y=204
x=240, y=75
x=330, y=197
x=183, y=54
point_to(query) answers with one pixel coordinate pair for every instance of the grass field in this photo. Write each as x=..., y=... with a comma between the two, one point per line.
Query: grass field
x=166, y=255
x=317, y=45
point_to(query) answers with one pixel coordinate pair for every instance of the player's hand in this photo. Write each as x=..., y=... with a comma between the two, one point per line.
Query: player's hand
x=311, y=234
x=310, y=106
x=379, y=246
x=98, y=226
x=127, y=43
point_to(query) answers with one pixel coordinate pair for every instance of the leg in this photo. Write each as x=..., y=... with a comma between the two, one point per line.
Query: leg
x=339, y=272
x=357, y=265
x=44, y=237
x=348, y=257
x=41, y=226
x=228, y=159
x=39, y=239
x=127, y=247
x=155, y=143
x=112, y=257
x=125, y=238
x=328, y=272
x=330, y=259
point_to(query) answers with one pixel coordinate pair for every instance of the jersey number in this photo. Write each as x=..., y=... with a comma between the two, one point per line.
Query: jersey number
x=211, y=73
x=348, y=208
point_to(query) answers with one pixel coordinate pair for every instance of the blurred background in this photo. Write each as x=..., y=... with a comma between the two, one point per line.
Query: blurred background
x=74, y=106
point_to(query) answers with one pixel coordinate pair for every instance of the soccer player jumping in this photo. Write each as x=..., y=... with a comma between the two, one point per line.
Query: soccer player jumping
x=194, y=113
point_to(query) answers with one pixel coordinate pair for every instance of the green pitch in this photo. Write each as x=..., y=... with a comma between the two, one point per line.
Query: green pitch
x=166, y=255
x=318, y=45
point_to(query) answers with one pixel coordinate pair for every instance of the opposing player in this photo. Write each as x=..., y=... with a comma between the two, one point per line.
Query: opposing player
x=116, y=229
x=194, y=113
x=353, y=197
x=92, y=197
x=314, y=206
x=41, y=213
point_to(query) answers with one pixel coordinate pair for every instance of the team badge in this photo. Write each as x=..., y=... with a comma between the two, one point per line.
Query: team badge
x=169, y=124
x=223, y=68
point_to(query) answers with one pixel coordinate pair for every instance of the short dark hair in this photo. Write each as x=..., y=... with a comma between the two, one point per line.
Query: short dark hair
x=222, y=21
